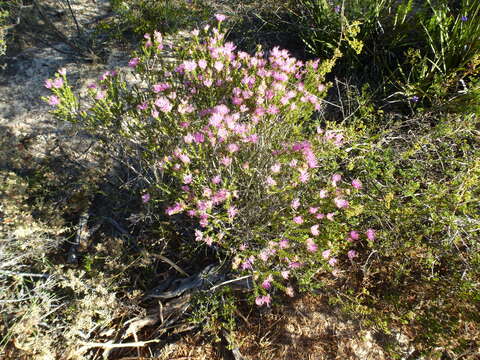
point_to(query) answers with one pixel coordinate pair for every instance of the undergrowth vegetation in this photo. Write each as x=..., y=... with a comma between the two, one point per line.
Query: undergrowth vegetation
x=232, y=177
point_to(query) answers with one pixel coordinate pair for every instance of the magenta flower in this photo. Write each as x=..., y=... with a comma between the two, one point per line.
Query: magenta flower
x=332, y=261
x=270, y=181
x=311, y=246
x=352, y=254
x=357, y=184
x=336, y=178
x=226, y=161
x=198, y=137
x=267, y=283
x=283, y=244
x=160, y=87
x=298, y=220
x=163, y=104
x=295, y=204
x=370, y=234
x=354, y=235
x=134, y=62
x=313, y=210
x=53, y=100
x=232, y=212
x=275, y=168
x=145, y=198
x=57, y=83
x=340, y=203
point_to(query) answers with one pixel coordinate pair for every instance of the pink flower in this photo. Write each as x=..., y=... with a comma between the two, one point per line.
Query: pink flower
x=145, y=198
x=187, y=178
x=275, y=168
x=285, y=274
x=143, y=106
x=304, y=176
x=62, y=71
x=283, y=244
x=323, y=194
x=190, y=65
x=160, y=87
x=202, y=64
x=226, y=161
x=267, y=283
x=298, y=220
x=48, y=84
x=314, y=230
x=198, y=137
x=233, y=148
x=232, y=211
x=370, y=234
x=216, y=179
x=289, y=291
x=312, y=210
x=295, y=203
x=357, y=184
x=332, y=261
x=311, y=246
x=133, y=62
x=320, y=216
x=53, y=100
x=220, y=17
x=218, y=65
x=326, y=254
x=163, y=104
x=336, y=178
x=340, y=203
x=100, y=95
x=174, y=209
x=330, y=216
x=354, y=235
x=57, y=83
x=270, y=181
x=294, y=265
x=198, y=235
x=352, y=254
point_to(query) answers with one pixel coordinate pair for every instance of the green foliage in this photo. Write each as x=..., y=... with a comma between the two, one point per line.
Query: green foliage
x=145, y=16
x=423, y=189
x=423, y=50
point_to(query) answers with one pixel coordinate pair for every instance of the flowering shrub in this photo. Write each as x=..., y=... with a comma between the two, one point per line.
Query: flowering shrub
x=229, y=140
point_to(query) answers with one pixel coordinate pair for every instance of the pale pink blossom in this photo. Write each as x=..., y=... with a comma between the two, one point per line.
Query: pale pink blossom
x=298, y=220
x=163, y=104
x=226, y=161
x=220, y=17
x=283, y=244
x=352, y=254
x=354, y=235
x=340, y=203
x=370, y=234
x=312, y=210
x=285, y=274
x=323, y=194
x=332, y=261
x=314, y=230
x=326, y=254
x=145, y=198
x=289, y=291
x=216, y=179
x=133, y=62
x=53, y=100
x=330, y=216
x=311, y=246
x=270, y=181
x=357, y=184
x=187, y=178
x=295, y=203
